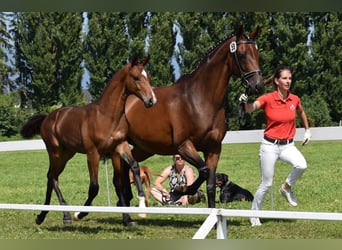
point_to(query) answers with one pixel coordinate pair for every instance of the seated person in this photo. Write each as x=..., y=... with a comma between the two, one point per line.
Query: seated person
x=178, y=174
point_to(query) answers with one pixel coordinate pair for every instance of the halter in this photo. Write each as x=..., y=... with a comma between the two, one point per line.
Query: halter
x=244, y=76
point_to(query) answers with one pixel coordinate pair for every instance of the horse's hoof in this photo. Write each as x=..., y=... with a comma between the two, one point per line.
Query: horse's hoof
x=38, y=221
x=142, y=215
x=181, y=189
x=131, y=223
x=76, y=216
x=67, y=222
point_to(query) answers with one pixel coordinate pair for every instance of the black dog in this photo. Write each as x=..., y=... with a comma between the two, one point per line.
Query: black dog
x=230, y=191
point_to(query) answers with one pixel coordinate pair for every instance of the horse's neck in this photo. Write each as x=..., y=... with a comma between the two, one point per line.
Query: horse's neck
x=112, y=100
x=211, y=80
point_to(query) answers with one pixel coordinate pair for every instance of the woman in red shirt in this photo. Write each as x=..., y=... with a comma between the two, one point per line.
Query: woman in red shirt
x=280, y=108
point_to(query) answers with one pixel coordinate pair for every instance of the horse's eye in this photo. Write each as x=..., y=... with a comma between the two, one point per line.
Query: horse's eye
x=135, y=78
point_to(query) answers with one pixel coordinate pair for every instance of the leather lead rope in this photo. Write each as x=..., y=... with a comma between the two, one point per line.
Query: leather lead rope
x=242, y=115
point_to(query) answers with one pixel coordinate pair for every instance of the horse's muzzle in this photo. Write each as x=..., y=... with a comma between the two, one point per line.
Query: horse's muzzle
x=151, y=102
x=257, y=89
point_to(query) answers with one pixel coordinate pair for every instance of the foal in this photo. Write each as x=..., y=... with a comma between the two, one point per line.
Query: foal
x=97, y=129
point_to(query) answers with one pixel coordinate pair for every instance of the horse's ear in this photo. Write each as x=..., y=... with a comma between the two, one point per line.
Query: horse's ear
x=239, y=31
x=145, y=61
x=254, y=34
x=134, y=60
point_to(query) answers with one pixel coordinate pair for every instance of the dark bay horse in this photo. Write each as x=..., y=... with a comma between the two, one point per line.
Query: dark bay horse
x=190, y=115
x=97, y=129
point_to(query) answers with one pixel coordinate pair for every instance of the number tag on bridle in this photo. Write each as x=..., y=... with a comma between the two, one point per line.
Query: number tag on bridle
x=233, y=47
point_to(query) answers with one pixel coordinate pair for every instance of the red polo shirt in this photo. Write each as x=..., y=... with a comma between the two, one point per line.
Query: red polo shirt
x=280, y=115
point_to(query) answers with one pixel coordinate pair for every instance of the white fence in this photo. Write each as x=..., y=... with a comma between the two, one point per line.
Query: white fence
x=317, y=134
x=242, y=136
x=216, y=217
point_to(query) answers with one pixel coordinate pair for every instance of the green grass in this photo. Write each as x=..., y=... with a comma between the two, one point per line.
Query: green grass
x=23, y=180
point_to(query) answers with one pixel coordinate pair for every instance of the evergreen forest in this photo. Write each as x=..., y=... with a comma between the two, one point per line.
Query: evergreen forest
x=54, y=59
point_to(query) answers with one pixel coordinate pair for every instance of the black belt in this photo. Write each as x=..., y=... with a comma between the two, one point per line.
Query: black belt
x=279, y=142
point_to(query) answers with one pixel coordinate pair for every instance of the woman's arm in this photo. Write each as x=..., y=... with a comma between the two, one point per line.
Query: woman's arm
x=190, y=176
x=303, y=118
x=249, y=107
x=158, y=183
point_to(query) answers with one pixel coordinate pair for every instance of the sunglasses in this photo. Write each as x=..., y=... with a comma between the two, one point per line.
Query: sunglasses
x=178, y=158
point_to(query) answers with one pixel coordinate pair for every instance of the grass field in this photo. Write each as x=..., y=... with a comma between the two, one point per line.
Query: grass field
x=23, y=180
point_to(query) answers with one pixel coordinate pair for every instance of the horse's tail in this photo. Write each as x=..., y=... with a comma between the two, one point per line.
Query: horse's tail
x=32, y=126
x=149, y=173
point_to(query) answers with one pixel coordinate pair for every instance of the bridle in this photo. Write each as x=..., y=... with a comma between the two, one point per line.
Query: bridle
x=244, y=77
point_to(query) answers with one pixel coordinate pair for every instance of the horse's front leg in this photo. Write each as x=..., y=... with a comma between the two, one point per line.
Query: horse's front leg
x=211, y=161
x=93, y=167
x=188, y=151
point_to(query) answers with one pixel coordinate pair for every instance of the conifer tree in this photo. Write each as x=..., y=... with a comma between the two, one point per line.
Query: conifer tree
x=49, y=56
x=6, y=84
x=196, y=41
x=137, y=29
x=326, y=56
x=106, y=48
x=161, y=41
x=69, y=53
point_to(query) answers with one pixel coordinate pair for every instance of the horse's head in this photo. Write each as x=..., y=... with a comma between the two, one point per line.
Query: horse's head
x=246, y=57
x=138, y=82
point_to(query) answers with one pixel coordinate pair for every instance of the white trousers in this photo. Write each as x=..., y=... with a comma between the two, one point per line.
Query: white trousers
x=268, y=155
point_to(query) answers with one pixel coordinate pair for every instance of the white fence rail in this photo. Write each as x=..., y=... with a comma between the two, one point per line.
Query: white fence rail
x=242, y=136
x=215, y=216
x=317, y=134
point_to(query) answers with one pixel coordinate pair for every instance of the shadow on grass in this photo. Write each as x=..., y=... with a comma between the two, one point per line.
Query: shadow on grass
x=84, y=229
x=158, y=222
x=115, y=225
x=274, y=221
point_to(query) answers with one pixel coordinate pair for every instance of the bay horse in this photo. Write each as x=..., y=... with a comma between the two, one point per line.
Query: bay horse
x=190, y=115
x=97, y=129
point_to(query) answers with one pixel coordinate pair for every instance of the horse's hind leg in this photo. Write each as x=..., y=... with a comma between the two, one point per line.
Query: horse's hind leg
x=93, y=167
x=67, y=220
x=41, y=217
x=54, y=171
x=122, y=187
x=132, y=162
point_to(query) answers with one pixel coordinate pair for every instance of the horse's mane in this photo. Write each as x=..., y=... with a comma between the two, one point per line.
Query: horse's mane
x=209, y=53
